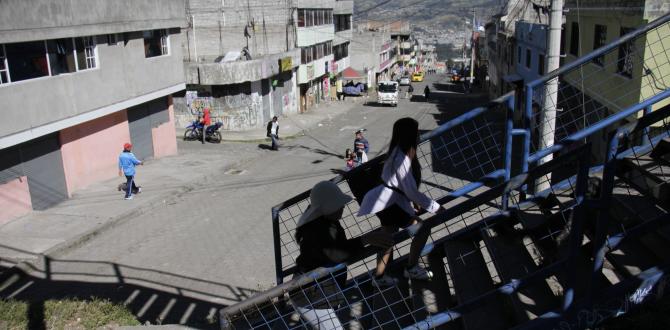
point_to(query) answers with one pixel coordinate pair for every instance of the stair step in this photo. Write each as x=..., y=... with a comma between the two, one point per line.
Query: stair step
x=631, y=209
x=647, y=175
x=546, y=233
x=631, y=258
x=471, y=278
x=658, y=245
x=513, y=261
x=661, y=149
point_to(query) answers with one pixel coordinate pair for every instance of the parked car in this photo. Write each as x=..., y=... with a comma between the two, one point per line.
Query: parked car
x=417, y=76
x=404, y=81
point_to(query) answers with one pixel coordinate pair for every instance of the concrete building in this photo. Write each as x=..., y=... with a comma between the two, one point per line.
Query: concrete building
x=502, y=42
x=531, y=50
x=78, y=79
x=403, y=43
x=343, y=21
x=317, y=41
x=240, y=60
x=374, y=52
x=592, y=26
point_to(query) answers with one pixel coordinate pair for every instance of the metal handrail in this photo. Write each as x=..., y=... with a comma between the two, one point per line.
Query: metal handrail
x=612, y=119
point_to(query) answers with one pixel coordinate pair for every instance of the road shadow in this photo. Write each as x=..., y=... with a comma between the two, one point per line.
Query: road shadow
x=264, y=146
x=472, y=149
x=153, y=296
x=317, y=151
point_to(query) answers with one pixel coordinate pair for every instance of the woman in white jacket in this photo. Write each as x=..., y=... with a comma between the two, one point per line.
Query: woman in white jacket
x=395, y=201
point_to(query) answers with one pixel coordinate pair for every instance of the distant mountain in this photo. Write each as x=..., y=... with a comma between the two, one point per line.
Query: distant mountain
x=426, y=13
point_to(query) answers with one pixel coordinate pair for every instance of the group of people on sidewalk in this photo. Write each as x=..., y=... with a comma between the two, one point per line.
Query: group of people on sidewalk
x=395, y=201
x=359, y=154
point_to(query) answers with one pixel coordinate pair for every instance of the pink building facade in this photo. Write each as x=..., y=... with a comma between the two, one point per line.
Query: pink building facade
x=89, y=152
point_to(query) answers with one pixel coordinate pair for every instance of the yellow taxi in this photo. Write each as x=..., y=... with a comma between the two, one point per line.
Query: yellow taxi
x=418, y=76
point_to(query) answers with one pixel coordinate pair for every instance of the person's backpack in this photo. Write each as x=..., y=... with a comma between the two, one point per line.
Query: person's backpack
x=365, y=177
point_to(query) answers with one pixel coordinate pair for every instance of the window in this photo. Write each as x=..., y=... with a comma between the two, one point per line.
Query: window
x=625, y=60
x=4, y=73
x=342, y=22
x=112, y=39
x=155, y=43
x=599, y=38
x=27, y=60
x=574, y=39
x=319, y=51
x=540, y=64
x=61, y=56
x=34, y=59
x=85, y=49
x=518, y=52
x=309, y=15
x=528, y=58
x=341, y=51
x=301, y=17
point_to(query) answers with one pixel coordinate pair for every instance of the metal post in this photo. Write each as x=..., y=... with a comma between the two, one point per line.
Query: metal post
x=548, y=113
x=508, y=146
x=472, y=47
x=195, y=43
x=528, y=117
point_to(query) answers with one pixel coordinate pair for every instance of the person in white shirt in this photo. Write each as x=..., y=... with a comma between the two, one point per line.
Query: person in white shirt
x=273, y=132
x=396, y=201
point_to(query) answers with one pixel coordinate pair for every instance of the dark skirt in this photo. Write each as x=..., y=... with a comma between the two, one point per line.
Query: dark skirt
x=394, y=216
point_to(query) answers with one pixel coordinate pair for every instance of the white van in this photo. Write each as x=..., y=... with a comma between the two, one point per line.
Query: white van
x=387, y=92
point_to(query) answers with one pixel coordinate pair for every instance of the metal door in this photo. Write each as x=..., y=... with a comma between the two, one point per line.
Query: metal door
x=42, y=163
x=139, y=123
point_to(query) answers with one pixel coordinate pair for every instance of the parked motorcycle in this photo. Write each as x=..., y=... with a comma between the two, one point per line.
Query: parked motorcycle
x=194, y=132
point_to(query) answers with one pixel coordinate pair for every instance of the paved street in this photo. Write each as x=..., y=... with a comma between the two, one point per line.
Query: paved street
x=211, y=244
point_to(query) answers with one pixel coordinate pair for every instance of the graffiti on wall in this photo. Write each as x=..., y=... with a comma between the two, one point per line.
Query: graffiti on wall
x=240, y=111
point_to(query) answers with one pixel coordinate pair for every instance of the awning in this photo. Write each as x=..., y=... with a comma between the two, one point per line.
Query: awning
x=351, y=74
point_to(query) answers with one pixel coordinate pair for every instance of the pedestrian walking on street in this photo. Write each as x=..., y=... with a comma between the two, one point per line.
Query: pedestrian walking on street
x=323, y=243
x=396, y=201
x=338, y=88
x=127, y=163
x=273, y=132
x=361, y=147
x=206, y=122
x=426, y=93
x=410, y=90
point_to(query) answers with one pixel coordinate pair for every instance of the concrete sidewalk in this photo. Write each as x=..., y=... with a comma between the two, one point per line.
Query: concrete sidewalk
x=101, y=206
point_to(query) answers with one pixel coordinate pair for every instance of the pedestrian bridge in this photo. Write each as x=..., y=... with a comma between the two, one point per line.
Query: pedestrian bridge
x=546, y=226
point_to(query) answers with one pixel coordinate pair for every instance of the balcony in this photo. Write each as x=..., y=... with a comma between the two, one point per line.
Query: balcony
x=227, y=73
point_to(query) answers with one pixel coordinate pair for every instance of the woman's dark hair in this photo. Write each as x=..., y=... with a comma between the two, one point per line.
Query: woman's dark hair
x=405, y=137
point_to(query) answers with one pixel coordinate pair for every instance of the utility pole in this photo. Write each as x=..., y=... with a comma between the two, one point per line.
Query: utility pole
x=465, y=36
x=195, y=42
x=472, y=46
x=548, y=112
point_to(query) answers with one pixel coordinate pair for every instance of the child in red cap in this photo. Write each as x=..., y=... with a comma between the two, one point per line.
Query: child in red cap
x=127, y=162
